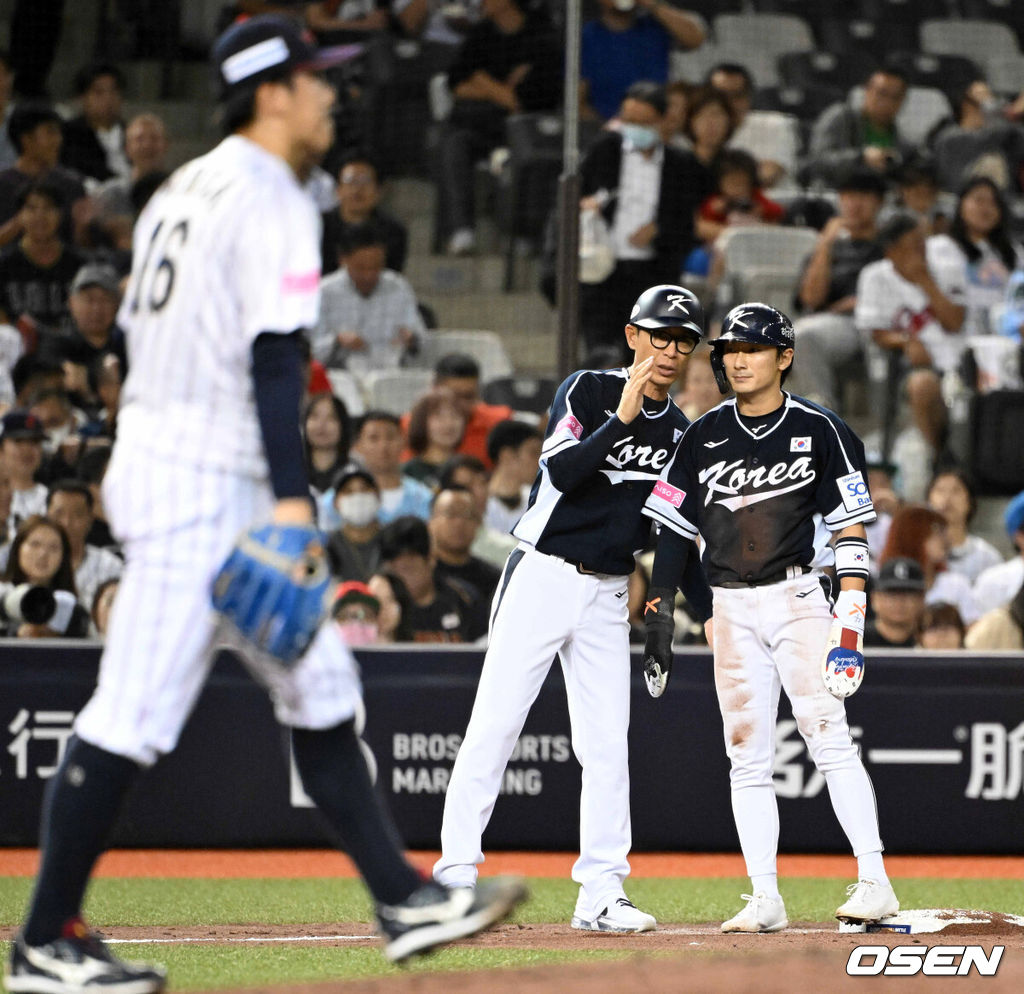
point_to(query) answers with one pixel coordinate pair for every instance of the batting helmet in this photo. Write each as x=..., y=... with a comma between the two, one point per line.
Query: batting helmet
x=758, y=324
x=668, y=306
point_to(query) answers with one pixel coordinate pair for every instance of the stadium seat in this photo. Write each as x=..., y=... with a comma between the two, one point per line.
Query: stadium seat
x=977, y=40
x=521, y=393
x=693, y=67
x=923, y=108
x=709, y=9
x=765, y=258
x=949, y=73
x=396, y=390
x=804, y=104
x=1005, y=74
x=346, y=386
x=844, y=34
x=911, y=12
x=484, y=346
x=1009, y=12
x=768, y=34
x=813, y=69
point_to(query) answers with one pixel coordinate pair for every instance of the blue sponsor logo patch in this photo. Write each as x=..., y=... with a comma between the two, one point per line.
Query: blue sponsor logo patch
x=843, y=661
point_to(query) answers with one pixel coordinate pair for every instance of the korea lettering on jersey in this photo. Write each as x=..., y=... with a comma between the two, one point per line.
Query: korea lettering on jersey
x=766, y=499
x=600, y=524
x=206, y=282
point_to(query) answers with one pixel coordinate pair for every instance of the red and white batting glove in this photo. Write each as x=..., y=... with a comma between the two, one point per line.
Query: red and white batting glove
x=843, y=661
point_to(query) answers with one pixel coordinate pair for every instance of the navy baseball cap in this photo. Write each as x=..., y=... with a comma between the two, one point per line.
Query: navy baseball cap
x=269, y=47
x=22, y=425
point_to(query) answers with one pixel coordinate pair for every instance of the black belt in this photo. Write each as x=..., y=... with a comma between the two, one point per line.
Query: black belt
x=582, y=568
x=789, y=573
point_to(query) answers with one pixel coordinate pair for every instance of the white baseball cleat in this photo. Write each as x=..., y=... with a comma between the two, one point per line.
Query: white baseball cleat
x=868, y=901
x=762, y=914
x=620, y=916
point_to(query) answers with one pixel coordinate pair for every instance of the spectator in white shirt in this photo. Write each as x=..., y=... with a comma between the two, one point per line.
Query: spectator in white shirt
x=915, y=314
x=70, y=505
x=978, y=251
x=998, y=585
x=514, y=449
x=368, y=314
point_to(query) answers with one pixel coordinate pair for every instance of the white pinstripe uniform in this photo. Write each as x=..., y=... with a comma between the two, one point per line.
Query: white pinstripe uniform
x=226, y=250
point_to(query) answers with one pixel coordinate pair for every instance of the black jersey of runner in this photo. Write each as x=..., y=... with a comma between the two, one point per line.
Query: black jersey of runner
x=764, y=494
x=596, y=473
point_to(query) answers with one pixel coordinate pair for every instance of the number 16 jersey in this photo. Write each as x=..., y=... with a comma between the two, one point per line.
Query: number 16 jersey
x=226, y=249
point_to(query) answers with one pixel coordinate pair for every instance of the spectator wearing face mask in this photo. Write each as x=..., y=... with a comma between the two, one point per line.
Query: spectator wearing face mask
x=353, y=548
x=356, y=612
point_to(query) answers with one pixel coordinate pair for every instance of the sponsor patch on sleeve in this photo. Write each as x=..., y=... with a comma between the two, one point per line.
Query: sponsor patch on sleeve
x=666, y=492
x=854, y=491
x=801, y=444
x=570, y=424
x=300, y=282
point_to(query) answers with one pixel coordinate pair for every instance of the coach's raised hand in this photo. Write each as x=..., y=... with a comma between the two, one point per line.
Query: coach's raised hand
x=632, y=400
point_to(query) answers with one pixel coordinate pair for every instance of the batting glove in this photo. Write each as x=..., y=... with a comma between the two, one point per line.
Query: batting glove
x=660, y=627
x=843, y=660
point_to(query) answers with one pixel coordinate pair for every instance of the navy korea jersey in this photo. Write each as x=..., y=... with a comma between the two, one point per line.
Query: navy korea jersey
x=764, y=494
x=596, y=473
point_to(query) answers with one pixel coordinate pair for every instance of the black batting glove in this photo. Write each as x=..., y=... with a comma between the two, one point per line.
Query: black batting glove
x=660, y=627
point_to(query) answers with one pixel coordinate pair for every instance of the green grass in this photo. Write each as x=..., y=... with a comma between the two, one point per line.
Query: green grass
x=115, y=901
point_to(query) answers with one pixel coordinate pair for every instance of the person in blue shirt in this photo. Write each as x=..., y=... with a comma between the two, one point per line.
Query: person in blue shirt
x=630, y=41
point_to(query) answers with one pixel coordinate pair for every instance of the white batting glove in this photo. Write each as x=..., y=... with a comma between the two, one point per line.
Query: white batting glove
x=842, y=665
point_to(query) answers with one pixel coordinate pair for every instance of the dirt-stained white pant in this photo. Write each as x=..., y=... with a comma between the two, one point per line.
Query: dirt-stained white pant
x=768, y=639
x=544, y=606
x=177, y=525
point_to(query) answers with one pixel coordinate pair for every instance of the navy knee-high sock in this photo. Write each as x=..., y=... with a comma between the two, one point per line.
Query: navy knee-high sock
x=79, y=809
x=335, y=776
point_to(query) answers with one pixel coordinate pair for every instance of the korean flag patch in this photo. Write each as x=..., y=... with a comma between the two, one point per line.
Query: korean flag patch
x=802, y=444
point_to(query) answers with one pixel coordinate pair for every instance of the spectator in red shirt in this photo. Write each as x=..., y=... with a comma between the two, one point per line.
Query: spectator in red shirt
x=461, y=375
x=738, y=198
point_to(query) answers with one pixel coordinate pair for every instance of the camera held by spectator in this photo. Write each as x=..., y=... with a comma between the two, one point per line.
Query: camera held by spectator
x=29, y=604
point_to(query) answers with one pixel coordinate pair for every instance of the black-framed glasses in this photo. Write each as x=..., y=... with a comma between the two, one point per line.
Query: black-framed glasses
x=661, y=339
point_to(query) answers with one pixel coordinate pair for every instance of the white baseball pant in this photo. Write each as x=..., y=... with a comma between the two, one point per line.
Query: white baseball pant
x=545, y=606
x=767, y=639
x=178, y=524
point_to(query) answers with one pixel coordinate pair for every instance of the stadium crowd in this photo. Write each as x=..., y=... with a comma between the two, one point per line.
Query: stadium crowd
x=908, y=302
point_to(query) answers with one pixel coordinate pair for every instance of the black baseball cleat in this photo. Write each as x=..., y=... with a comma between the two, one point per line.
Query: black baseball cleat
x=81, y=964
x=433, y=914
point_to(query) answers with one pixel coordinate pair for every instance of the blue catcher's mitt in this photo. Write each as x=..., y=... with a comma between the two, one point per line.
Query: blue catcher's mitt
x=272, y=589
